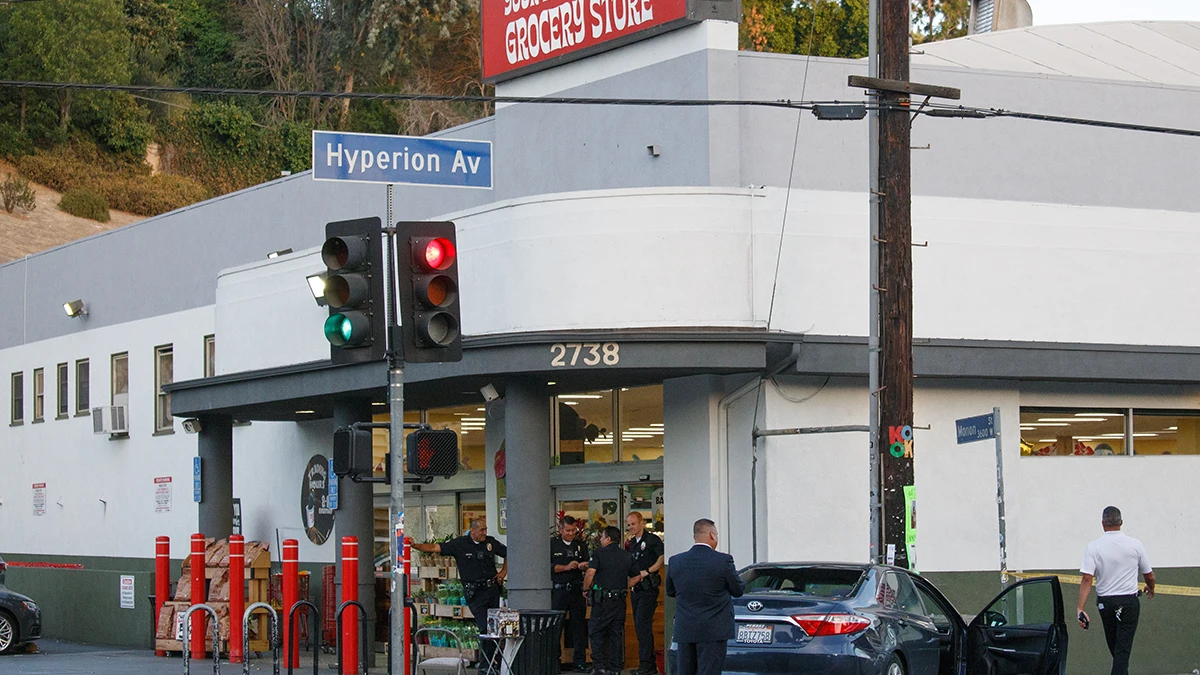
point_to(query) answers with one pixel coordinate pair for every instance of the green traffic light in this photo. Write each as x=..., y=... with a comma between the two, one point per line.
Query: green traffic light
x=347, y=329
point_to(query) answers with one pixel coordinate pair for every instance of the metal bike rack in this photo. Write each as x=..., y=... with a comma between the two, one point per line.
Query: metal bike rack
x=316, y=625
x=274, y=636
x=187, y=638
x=365, y=647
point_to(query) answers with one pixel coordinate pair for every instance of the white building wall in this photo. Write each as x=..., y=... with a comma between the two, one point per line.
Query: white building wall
x=817, y=486
x=80, y=468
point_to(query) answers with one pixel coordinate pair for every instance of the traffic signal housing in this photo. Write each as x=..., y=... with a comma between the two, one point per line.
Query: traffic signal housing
x=352, y=452
x=432, y=452
x=354, y=286
x=427, y=272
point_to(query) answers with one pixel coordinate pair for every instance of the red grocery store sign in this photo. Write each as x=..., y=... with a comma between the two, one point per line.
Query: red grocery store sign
x=518, y=34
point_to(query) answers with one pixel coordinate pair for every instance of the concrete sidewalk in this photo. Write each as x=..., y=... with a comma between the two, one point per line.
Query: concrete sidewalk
x=59, y=657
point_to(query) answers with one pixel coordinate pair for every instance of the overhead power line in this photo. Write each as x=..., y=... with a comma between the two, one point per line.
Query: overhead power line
x=372, y=96
x=949, y=110
x=929, y=109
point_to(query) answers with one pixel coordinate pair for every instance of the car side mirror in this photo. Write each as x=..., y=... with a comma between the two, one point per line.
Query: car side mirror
x=993, y=619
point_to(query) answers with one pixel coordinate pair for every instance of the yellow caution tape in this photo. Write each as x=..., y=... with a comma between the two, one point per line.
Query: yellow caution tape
x=1159, y=589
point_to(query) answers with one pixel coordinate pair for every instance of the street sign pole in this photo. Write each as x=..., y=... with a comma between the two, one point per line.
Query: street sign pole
x=399, y=611
x=1000, y=497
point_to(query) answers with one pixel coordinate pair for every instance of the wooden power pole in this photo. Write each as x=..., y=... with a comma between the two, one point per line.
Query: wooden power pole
x=894, y=396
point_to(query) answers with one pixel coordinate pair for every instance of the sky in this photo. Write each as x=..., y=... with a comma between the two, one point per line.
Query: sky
x=1086, y=11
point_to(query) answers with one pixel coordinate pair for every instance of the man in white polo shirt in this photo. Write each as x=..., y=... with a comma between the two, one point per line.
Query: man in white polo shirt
x=1114, y=561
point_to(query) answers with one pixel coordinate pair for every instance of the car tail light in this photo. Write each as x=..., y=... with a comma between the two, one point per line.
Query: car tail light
x=831, y=624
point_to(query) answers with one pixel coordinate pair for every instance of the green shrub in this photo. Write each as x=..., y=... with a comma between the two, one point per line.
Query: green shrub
x=148, y=195
x=14, y=143
x=15, y=192
x=85, y=204
x=124, y=185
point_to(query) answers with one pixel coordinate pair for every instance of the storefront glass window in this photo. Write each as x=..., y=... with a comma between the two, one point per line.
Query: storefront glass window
x=469, y=422
x=1065, y=432
x=585, y=423
x=1166, y=432
x=641, y=423
x=379, y=437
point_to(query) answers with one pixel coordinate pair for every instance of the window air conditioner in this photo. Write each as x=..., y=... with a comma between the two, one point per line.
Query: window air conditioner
x=109, y=419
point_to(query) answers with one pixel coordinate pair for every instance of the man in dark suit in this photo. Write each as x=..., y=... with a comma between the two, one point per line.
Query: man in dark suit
x=703, y=583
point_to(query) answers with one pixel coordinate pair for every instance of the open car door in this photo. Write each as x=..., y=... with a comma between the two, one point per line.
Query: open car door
x=1022, y=632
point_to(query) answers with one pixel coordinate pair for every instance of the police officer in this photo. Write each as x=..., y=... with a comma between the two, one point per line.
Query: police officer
x=568, y=561
x=475, y=554
x=647, y=551
x=609, y=576
x=1114, y=561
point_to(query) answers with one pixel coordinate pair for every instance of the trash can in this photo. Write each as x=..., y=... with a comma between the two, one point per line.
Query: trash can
x=542, y=629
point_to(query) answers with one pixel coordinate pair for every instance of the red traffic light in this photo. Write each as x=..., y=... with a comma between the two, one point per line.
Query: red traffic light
x=434, y=254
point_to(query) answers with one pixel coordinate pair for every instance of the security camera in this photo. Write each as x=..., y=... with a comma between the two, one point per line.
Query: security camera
x=191, y=425
x=489, y=393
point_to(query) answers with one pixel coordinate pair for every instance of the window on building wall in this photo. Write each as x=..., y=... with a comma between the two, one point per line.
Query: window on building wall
x=164, y=373
x=611, y=425
x=18, y=398
x=120, y=379
x=1081, y=432
x=64, y=391
x=641, y=420
x=210, y=355
x=470, y=422
x=585, y=427
x=1166, y=432
x=39, y=394
x=83, y=387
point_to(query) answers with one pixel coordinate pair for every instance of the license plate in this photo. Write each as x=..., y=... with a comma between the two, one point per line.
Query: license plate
x=755, y=633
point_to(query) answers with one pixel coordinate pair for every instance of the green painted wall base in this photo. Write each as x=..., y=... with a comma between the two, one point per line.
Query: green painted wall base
x=84, y=605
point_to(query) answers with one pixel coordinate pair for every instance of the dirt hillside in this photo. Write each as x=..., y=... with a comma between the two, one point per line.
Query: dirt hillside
x=24, y=232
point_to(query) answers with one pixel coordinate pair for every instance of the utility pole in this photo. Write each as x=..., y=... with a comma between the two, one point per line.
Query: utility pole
x=895, y=276
x=893, y=498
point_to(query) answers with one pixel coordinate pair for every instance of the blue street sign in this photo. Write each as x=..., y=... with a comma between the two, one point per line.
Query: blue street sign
x=196, y=479
x=333, y=487
x=401, y=160
x=974, y=429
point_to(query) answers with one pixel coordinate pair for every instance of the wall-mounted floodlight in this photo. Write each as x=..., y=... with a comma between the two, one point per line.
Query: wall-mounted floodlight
x=75, y=308
x=275, y=254
x=316, y=284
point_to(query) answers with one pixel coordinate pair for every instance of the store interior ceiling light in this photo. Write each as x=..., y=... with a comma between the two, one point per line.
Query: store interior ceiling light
x=1032, y=425
x=474, y=419
x=571, y=402
x=75, y=308
x=305, y=412
x=1071, y=420
x=580, y=396
x=1097, y=414
x=1047, y=440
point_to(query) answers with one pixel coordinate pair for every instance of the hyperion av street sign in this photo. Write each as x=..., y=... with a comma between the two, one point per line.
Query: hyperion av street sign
x=401, y=160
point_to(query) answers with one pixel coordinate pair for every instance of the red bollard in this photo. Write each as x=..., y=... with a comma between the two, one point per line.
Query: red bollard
x=162, y=579
x=199, y=618
x=407, y=587
x=291, y=595
x=237, y=595
x=350, y=616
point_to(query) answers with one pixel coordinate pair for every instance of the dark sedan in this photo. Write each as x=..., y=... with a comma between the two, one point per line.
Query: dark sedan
x=20, y=618
x=847, y=619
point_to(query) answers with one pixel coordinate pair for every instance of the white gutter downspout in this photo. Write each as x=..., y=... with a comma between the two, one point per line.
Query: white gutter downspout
x=721, y=460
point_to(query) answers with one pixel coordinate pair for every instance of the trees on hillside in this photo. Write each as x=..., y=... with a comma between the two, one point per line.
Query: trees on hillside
x=67, y=41
x=838, y=27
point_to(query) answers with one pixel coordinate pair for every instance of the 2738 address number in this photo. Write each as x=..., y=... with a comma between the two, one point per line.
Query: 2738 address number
x=588, y=354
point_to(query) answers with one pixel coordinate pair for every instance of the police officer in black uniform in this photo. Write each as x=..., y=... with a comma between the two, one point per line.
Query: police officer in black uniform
x=568, y=561
x=647, y=551
x=475, y=554
x=609, y=576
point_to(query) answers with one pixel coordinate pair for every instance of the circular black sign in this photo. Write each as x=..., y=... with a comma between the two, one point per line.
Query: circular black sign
x=314, y=501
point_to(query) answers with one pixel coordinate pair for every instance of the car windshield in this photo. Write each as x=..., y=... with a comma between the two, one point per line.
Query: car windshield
x=822, y=582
